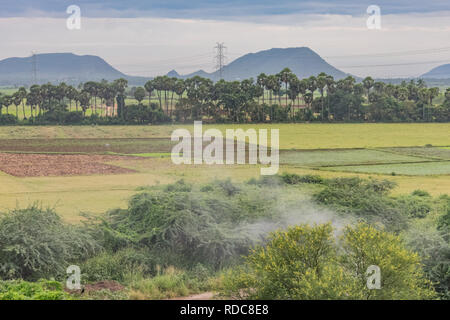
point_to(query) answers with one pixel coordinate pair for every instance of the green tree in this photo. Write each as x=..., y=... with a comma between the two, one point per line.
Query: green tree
x=368, y=84
x=139, y=94
x=305, y=262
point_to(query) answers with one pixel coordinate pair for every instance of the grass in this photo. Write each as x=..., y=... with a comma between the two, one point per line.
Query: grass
x=292, y=136
x=428, y=152
x=412, y=169
x=118, y=146
x=343, y=157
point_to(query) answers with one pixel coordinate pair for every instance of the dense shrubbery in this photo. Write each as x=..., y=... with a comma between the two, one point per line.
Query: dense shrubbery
x=40, y=290
x=296, y=179
x=172, y=239
x=7, y=119
x=305, y=262
x=367, y=199
x=35, y=243
x=187, y=225
x=430, y=237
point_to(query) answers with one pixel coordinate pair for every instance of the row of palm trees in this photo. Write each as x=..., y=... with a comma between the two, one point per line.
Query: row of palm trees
x=272, y=88
x=87, y=95
x=284, y=88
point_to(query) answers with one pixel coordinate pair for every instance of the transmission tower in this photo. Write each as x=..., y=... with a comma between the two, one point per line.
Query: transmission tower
x=220, y=58
x=34, y=67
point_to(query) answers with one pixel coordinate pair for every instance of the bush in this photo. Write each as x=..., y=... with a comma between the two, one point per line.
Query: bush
x=297, y=179
x=7, y=119
x=40, y=290
x=415, y=206
x=304, y=262
x=184, y=225
x=170, y=283
x=367, y=199
x=118, y=266
x=34, y=243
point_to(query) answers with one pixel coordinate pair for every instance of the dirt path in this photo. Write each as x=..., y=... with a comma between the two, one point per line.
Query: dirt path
x=201, y=296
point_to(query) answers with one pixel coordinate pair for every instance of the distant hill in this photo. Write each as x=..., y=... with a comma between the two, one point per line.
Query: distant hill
x=58, y=67
x=441, y=72
x=303, y=61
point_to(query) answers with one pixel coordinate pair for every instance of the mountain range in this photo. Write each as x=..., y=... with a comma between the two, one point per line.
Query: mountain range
x=441, y=72
x=302, y=61
x=73, y=69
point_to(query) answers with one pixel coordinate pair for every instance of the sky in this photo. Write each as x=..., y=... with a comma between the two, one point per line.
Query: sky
x=152, y=37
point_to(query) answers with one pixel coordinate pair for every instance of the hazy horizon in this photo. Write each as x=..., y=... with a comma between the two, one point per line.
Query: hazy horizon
x=149, y=38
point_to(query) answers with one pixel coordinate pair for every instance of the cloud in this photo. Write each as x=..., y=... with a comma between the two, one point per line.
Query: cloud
x=214, y=9
x=150, y=46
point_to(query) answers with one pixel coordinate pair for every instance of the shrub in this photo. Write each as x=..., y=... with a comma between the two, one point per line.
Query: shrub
x=118, y=266
x=415, y=206
x=296, y=179
x=7, y=119
x=40, y=290
x=266, y=181
x=367, y=199
x=184, y=225
x=34, y=243
x=420, y=193
x=304, y=262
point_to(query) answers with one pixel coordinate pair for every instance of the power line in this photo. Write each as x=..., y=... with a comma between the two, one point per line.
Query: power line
x=396, y=53
x=394, y=64
x=220, y=58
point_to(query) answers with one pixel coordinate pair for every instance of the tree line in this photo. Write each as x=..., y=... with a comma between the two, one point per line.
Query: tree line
x=282, y=97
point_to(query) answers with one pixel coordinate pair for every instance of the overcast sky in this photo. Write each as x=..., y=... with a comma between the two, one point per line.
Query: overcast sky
x=152, y=37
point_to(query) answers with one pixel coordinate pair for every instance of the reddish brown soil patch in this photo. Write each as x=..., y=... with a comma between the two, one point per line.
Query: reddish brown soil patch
x=38, y=165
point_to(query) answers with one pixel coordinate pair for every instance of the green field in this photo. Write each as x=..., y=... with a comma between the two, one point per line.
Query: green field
x=344, y=157
x=411, y=169
x=292, y=136
x=330, y=150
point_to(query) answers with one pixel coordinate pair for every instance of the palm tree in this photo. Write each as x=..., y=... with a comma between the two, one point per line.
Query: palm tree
x=7, y=101
x=261, y=81
x=180, y=88
x=158, y=84
x=149, y=86
x=379, y=87
x=284, y=76
x=421, y=83
x=331, y=87
x=118, y=87
x=1, y=103
x=368, y=84
x=321, y=84
x=424, y=97
x=171, y=83
x=434, y=92
x=23, y=94
x=139, y=94
x=16, y=99
x=293, y=93
x=402, y=93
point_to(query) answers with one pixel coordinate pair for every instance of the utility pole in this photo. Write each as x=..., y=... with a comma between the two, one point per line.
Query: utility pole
x=220, y=58
x=34, y=67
